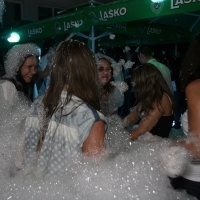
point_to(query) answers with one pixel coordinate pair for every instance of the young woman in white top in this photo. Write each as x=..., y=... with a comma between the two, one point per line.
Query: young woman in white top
x=66, y=121
x=21, y=66
x=190, y=83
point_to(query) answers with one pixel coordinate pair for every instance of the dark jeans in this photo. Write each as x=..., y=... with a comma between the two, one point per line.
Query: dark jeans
x=191, y=187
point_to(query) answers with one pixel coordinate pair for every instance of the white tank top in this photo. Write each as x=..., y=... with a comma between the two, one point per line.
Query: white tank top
x=193, y=169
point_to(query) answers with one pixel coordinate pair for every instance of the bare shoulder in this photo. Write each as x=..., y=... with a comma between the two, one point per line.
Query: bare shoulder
x=165, y=97
x=193, y=89
x=166, y=105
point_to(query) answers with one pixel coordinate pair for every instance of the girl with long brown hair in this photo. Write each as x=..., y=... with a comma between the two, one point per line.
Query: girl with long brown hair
x=155, y=107
x=67, y=120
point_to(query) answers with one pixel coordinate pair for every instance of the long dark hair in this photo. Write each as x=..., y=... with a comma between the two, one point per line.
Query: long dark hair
x=73, y=66
x=190, y=65
x=149, y=87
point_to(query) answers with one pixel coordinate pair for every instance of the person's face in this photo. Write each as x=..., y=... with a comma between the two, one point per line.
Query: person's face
x=105, y=72
x=29, y=68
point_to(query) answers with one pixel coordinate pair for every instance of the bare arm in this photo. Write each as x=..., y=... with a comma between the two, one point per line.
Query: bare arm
x=131, y=118
x=94, y=144
x=146, y=124
x=193, y=101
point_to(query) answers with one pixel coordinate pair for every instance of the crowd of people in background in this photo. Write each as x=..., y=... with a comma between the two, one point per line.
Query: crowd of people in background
x=73, y=92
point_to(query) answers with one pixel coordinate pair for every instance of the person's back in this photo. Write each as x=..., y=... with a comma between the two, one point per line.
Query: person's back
x=64, y=141
x=155, y=103
x=66, y=122
x=164, y=123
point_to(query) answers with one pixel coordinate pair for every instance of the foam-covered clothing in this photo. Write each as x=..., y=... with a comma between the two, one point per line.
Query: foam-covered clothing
x=64, y=137
x=164, y=71
x=193, y=170
x=190, y=178
x=15, y=108
x=114, y=101
x=16, y=85
x=9, y=91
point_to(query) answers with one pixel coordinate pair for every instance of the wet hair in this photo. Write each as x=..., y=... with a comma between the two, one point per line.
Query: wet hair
x=47, y=45
x=145, y=50
x=108, y=87
x=190, y=65
x=73, y=66
x=149, y=87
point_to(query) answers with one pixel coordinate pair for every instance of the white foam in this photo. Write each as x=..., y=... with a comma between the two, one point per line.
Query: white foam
x=127, y=170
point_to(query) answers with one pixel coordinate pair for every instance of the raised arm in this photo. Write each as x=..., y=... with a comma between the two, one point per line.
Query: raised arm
x=94, y=144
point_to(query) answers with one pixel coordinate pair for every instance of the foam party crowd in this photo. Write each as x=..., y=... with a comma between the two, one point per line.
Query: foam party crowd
x=124, y=169
x=79, y=125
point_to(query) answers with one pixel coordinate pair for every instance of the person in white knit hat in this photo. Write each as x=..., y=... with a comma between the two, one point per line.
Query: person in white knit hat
x=21, y=66
x=111, y=91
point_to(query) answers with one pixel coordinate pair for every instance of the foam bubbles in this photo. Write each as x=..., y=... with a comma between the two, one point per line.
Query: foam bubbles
x=126, y=170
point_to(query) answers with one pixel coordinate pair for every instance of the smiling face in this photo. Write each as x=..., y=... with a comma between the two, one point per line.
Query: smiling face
x=29, y=68
x=105, y=71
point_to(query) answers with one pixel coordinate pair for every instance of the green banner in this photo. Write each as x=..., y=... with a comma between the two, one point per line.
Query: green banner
x=132, y=10
x=120, y=17
x=152, y=31
x=59, y=25
x=131, y=41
